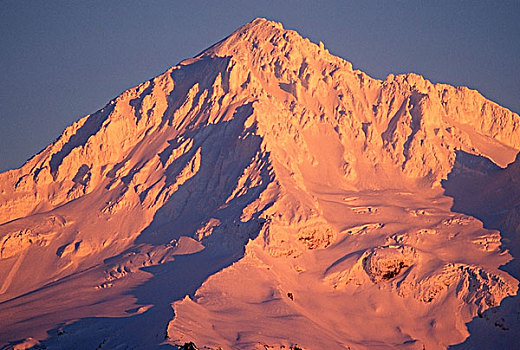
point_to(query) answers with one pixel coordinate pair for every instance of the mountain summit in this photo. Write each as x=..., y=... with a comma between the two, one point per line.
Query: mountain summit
x=266, y=194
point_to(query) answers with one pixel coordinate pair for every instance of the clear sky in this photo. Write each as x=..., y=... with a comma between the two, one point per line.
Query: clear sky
x=61, y=60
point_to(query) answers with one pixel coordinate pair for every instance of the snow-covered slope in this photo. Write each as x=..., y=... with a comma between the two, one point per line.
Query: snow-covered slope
x=264, y=193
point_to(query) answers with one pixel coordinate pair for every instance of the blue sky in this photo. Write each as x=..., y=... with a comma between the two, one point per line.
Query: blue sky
x=61, y=60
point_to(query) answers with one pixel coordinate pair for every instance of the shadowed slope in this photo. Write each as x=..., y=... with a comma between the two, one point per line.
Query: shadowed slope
x=489, y=193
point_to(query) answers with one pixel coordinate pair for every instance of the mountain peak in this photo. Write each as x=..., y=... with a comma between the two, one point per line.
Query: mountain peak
x=260, y=25
x=251, y=160
x=266, y=37
x=260, y=22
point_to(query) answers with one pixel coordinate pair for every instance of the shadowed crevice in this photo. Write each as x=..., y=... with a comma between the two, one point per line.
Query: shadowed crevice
x=91, y=127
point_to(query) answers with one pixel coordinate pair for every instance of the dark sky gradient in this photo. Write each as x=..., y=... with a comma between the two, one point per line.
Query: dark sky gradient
x=61, y=60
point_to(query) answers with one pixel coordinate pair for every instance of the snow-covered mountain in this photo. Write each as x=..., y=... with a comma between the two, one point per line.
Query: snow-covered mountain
x=265, y=194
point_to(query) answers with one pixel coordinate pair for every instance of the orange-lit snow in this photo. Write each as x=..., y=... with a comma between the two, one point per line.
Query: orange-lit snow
x=263, y=193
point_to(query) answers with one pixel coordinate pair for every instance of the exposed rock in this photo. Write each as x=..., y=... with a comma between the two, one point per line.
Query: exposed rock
x=471, y=284
x=384, y=263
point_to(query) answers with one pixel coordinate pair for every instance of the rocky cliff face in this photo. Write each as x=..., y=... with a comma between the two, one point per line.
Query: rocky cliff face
x=268, y=137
